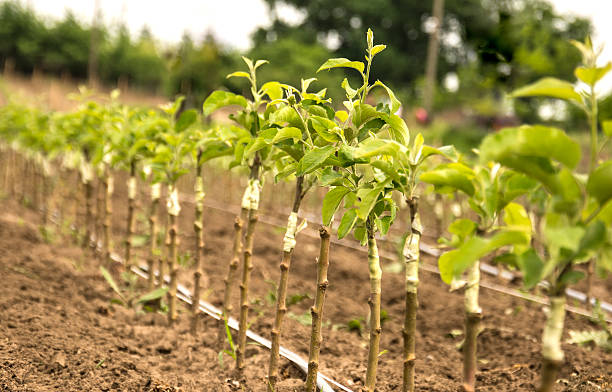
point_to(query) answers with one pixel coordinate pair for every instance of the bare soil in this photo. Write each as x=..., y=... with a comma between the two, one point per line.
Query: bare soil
x=60, y=331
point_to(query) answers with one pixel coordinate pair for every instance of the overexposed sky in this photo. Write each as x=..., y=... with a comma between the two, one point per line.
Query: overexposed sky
x=233, y=21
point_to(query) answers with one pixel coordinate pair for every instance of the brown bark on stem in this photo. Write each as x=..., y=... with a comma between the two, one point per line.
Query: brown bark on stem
x=247, y=266
x=129, y=232
x=88, y=213
x=281, y=293
x=164, y=257
x=153, y=249
x=472, y=327
x=411, y=258
x=99, y=212
x=231, y=277
x=199, y=247
x=374, y=302
x=317, y=310
x=589, y=284
x=107, y=183
x=172, y=269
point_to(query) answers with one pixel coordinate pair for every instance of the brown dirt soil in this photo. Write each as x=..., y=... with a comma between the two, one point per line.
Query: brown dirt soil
x=59, y=330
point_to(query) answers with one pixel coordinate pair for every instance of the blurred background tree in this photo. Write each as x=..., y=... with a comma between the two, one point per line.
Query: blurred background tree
x=487, y=48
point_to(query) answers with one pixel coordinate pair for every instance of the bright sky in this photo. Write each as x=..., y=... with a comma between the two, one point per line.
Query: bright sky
x=232, y=21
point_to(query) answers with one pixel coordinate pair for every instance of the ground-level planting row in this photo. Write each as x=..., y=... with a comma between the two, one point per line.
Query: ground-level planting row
x=61, y=330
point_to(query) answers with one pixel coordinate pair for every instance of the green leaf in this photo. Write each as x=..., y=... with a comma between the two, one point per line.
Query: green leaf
x=284, y=115
x=152, y=295
x=592, y=75
x=368, y=198
x=187, y=118
x=239, y=74
x=549, y=87
x=532, y=267
x=346, y=223
x=453, y=263
x=373, y=147
x=342, y=63
x=330, y=177
x=594, y=237
x=259, y=63
x=515, y=216
x=399, y=130
x=377, y=49
x=531, y=141
x=599, y=184
x=604, y=261
x=314, y=158
x=560, y=234
x=288, y=133
x=386, y=168
x=363, y=113
x=219, y=99
x=571, y=277
x=111, y=282
x=325, y=128
x=606, y=126
x=273, y=90
x=395, y=103
x=417, y=149
x=350, y=92
x=463, y=229
x=342, y=115
x=331, y=202
x=453, y=175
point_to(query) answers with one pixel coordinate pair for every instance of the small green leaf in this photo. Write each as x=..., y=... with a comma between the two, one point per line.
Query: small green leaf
x=331, y=202
x=314, y=158
x=342, y=115
x=453, y=175
x=531, y=141
x=219, y=99
x=374, y=147
x=606, y=126
x=153, y=295
x=515, y=216
x=346, y=223
x=395, y=103
x=350, y=92
x=285, y=115
x=532, y=267
x=462, y=228
x=599, y=184
x=187, y=118
x=453, y=263
x=259, y=63
x=560, y=234
x=368, y=198
x=342, y=63
x=273, y=90
x=591, y=76
x=111, y=282
x=549, y=87
x=399, y=130
x=377, y=49
x=594, y=237
x=239, y=74
x=288, y=133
